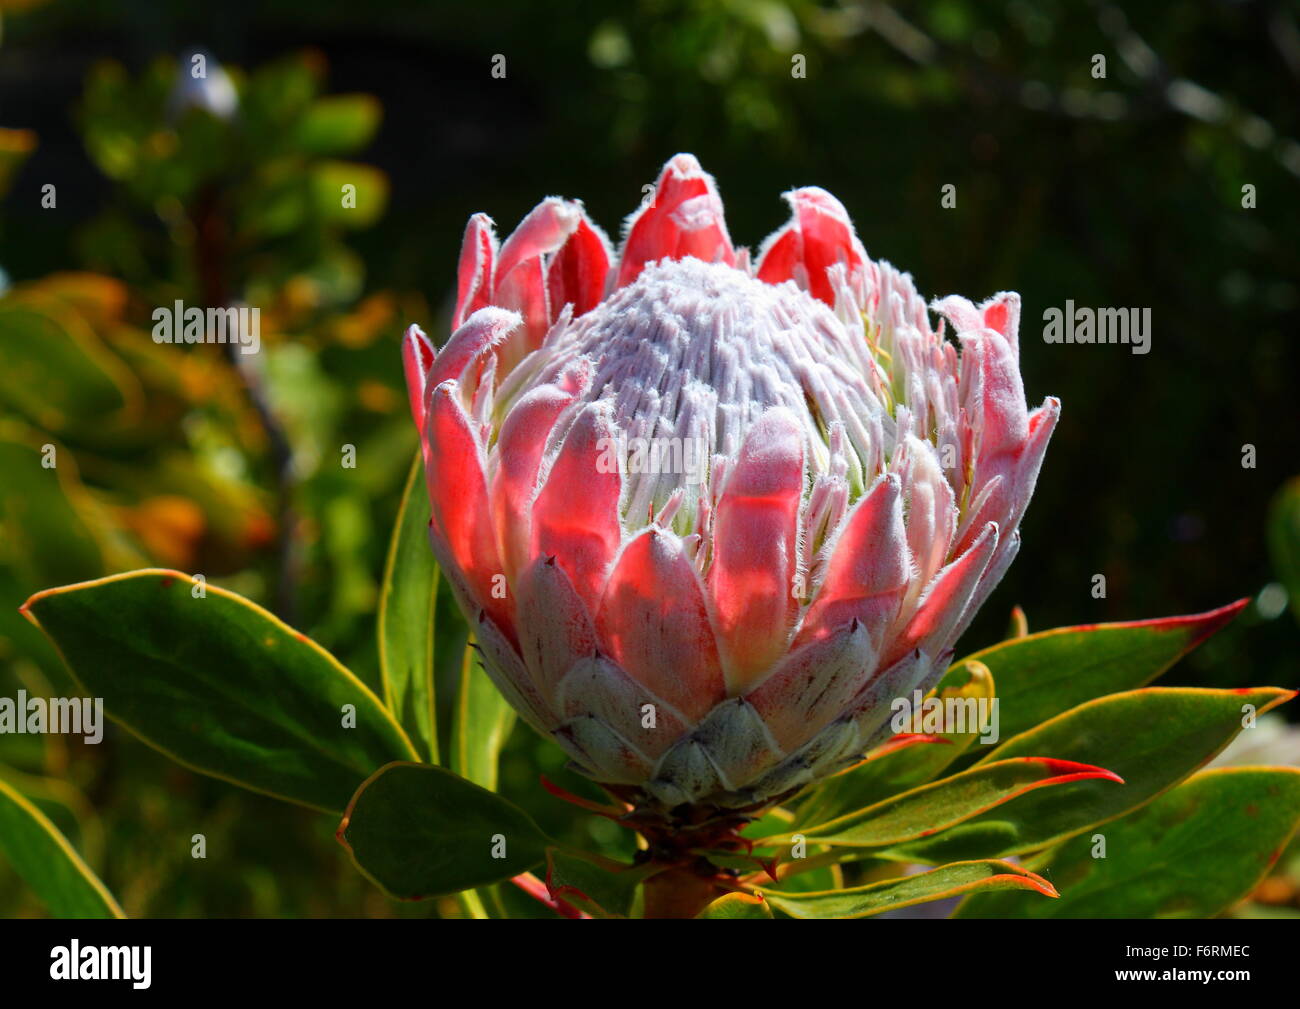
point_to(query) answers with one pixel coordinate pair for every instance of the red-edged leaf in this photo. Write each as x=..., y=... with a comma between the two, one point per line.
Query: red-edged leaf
x=1152, y=737
x=933, y=808
x=890, y=894
x=1043, y=674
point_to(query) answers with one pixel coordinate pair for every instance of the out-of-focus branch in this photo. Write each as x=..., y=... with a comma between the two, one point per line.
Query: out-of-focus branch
x=210, y=246
x=1161, y=90
x=1187, y=96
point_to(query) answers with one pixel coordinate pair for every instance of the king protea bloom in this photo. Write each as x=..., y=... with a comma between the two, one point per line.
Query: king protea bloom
x=708, y=514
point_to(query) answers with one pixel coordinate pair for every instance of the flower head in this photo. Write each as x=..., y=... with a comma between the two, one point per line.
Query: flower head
x=709, y=516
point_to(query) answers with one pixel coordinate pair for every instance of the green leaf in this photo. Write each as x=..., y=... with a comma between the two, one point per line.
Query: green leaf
x=1152, y=738
x=419, y=831
x=906, y=761
x=482, y=724
x=887, y=895
x=54, y=370
x=221, y=685
x=407, y=617
x=738, y=905
x=338, y=124
x=599, y=886
x=47, y=862
x=45, y=535
x=941, y=805
x=355, y=207
x=1191, y=853
x=1043, y=674
x=66, y=807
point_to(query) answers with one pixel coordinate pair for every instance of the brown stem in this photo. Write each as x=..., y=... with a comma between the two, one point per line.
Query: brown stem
x=679, y=893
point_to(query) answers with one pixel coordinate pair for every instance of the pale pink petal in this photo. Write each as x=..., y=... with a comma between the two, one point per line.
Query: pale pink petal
x=453, y=464
x=814, y=684
x=702, y=230
x=601, y=753
x=579, y=271
x=505, y=668
x=474, y=276
x=1004, y=481
x=822, y=236
x=755, y=548
x=523, y=289
x=417, y=359
x=1008, y=547
x=575, y=517
x=931, y=512
x=481, y=334
x=597, y=687
x=521, y=281
x=542, y=231
x=1042, y=422
x=963, y=315
x=868, y=569
x=662, y=229
x=556, y=628
x=1001, y=313
x=520, y=444
x=654, y=622
x=941, y=609
x=1004, y=424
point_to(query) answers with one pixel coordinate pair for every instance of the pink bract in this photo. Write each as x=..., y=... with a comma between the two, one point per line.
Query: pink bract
x=707, y=516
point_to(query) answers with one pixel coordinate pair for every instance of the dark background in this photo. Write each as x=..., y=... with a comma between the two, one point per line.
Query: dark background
x=1124, y=191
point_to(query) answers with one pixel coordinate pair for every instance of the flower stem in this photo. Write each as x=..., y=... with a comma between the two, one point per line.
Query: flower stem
x=679, y=893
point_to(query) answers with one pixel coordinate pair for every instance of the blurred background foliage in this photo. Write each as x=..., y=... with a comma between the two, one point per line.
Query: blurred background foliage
x=1121, y=191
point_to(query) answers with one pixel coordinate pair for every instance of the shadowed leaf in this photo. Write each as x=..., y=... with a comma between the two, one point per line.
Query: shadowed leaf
x=42, y=856
x=420, y=831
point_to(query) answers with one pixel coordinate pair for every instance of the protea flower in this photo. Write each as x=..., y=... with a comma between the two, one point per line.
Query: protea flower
x=709, y=516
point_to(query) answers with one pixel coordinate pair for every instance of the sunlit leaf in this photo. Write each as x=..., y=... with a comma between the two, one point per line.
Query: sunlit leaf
x=941, y=805
x=1189, y=854
x=221, y=685
x=407, y=613
x=1043, y=674
x=738, y=905
x=1152, y=738
x=937, y=884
